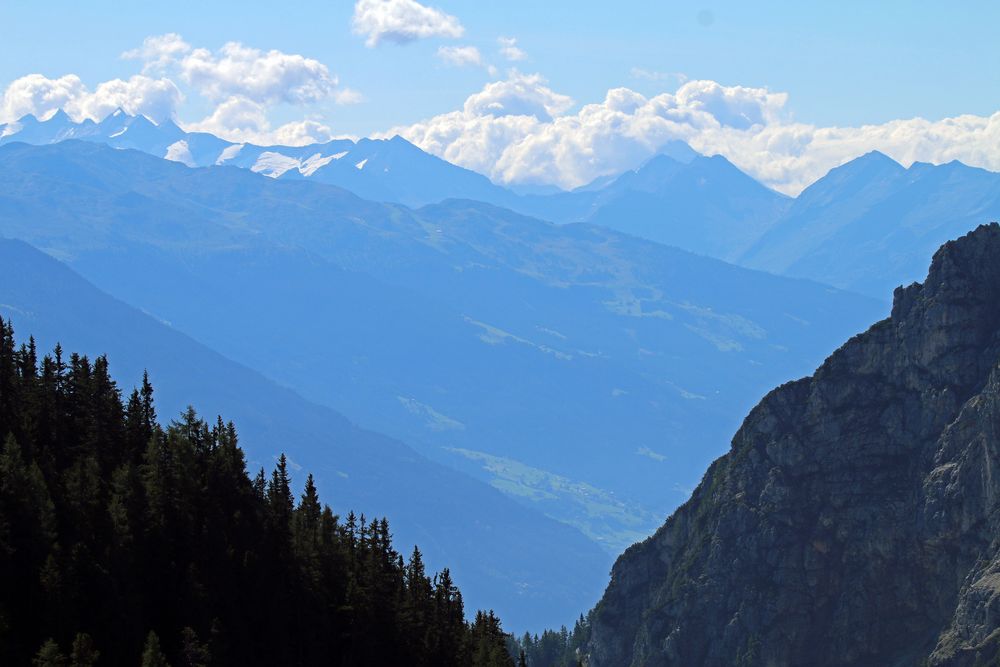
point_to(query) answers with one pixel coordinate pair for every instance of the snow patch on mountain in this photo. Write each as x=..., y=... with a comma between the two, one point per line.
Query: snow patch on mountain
x=309, y=166
x=179, y=152
x=274, y=164
x=229, y=153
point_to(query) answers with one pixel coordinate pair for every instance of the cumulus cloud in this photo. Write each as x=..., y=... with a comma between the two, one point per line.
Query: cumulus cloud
x=237, y=70
x=460, y=56
x=263, y=76
x=159, y=51
x=39, y=95
x=401, y=21
x=510, y=50
x=518, y=95
x=520, y=131
x=244, y=120
x=244, y=83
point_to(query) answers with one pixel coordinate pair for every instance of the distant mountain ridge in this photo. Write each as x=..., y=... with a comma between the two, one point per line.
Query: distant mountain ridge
x=679, y=197
x=702, y=204
x=872, y=224
x=867, y=226
x=499, y=343
x=380, y=169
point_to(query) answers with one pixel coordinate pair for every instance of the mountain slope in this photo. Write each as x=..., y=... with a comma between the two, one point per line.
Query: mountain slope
x=502, y=555
x=573, y=350
x=702, y=204
x=871, y=225
x=854, y=521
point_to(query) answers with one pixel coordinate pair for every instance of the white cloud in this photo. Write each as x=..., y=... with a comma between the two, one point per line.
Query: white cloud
x=300, y=133
x=155, y=98
x=346, y=96
x=510, y=50
x=237, y=70
x=236, y=119
x=266, y=77
x=519, y=131
x=460, y=56
x=518, y=95
x=243, y=120
x=653, y=75
x=159, y=51
x=401, y=21
x=36, y=94
x=39, y=95
x=244, y=83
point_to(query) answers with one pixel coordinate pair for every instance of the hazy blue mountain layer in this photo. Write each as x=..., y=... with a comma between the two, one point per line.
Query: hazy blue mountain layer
x=531, y=569
x=705, y=205
x=867, y=226
x=701, y=204
x=872, y=225
x=580, y=370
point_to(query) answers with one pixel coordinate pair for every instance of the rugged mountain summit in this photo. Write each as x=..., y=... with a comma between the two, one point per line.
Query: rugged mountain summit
x=856, y=519
x=872, y=224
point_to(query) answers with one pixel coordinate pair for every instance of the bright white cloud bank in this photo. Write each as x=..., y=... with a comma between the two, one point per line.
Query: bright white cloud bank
x=515, y=130
x=39, y=95
x=241, y=119
x=236, y=70
x=402, y=21
x=521, y=131
x=243, y=84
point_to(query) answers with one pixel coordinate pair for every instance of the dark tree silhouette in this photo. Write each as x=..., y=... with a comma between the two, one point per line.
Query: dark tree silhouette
x=126, y=542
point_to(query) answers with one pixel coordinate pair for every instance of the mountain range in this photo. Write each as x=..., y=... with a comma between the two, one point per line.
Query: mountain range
x=379, y=169
x=584, y=353
x=867, y=226
x=578, y=369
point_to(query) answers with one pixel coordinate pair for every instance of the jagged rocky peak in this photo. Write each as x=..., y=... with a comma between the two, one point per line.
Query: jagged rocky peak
x=856, y=519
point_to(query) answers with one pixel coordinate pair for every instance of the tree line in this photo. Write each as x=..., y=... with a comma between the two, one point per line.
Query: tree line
x=123, y=541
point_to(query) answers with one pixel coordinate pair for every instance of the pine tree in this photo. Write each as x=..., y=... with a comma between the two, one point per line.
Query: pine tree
x=49, y=655
x=193, y=652
x=152, y=656
x=84, y=653
x=306, y=534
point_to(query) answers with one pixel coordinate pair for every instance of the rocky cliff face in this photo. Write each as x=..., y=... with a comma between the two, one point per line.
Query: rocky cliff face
x=856, y=519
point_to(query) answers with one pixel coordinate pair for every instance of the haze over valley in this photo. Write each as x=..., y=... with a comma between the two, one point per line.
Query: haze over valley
x=521, y=322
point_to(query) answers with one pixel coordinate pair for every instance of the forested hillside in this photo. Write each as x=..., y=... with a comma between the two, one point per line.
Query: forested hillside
x=126, y=542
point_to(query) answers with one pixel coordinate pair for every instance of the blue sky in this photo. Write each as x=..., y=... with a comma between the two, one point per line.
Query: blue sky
x=841, y=64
